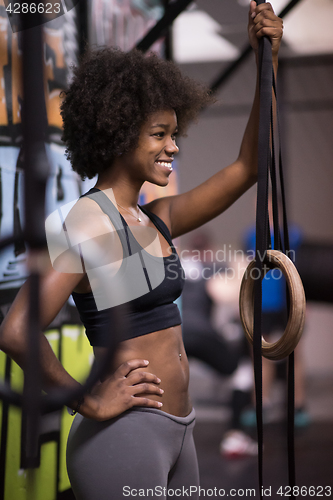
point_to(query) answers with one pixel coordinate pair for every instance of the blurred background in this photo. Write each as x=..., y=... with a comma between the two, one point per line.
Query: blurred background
x=204, y=41
x=211, y=35
x=306, y=98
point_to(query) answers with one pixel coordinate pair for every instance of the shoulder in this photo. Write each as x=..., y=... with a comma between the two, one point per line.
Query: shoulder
x=85, y=234
x=87, y=220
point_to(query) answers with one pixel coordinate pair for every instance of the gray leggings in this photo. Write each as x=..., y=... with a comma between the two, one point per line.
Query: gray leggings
x=143, y=449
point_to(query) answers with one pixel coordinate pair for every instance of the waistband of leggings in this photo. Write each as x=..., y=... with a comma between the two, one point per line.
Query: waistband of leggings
x=181, y=420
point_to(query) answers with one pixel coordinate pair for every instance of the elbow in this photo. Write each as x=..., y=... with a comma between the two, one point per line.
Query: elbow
x=3, y=340
x=11, y=342
x=248, y=171
x=253, y=178
x=251, y=169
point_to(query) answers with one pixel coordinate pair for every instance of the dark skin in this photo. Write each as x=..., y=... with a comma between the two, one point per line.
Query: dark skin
x=147, y=370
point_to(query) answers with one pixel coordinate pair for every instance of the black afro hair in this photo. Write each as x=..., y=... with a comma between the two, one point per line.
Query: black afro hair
x=111, y=96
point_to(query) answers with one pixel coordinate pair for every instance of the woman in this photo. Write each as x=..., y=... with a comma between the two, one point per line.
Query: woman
x=121, y=116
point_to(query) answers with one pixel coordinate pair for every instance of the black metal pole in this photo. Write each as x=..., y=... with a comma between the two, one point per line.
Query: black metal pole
x=168, y=52
x=36, y=171
x=173, y=10
x=82, y=12
x=34, y=121
x=219, y=80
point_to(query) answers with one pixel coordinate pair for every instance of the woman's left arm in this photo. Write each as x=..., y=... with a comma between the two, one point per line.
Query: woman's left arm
x=190, y=210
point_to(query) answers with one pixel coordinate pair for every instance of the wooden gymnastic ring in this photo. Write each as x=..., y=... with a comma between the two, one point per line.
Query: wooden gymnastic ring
x=292, y=334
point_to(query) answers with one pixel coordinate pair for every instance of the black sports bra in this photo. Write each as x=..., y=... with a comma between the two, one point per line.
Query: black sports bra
x=148, y=312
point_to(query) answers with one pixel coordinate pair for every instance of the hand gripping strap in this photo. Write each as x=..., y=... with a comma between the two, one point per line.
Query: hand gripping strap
x=266, y=165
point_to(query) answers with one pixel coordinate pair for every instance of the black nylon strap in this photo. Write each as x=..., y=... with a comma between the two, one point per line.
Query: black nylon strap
x=275, y=207
x=262, y=229
x=291, y=360
x=267, y=164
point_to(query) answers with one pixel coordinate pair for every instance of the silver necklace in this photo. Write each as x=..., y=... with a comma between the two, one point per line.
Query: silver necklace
x=137, y=217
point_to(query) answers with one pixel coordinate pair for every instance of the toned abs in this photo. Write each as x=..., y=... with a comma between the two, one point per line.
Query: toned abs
x=162, y=349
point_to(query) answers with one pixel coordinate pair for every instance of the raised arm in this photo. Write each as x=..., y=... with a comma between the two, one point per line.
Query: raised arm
x=190, y=210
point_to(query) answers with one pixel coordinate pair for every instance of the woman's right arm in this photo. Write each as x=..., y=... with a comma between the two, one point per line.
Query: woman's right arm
x=116, y=394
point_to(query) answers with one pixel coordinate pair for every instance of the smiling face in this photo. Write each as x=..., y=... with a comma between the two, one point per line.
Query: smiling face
x=152, y=159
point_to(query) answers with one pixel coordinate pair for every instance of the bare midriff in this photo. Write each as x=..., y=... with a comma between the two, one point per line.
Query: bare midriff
x=165, y=352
